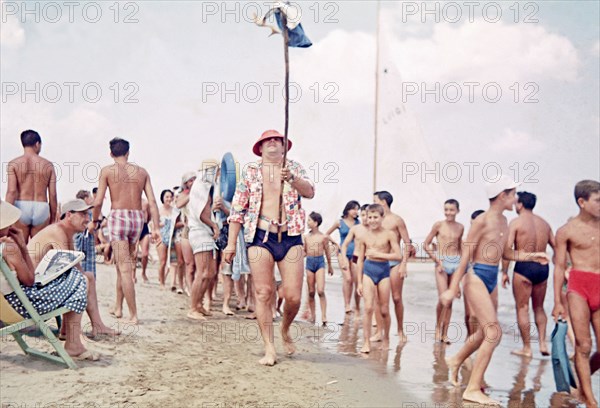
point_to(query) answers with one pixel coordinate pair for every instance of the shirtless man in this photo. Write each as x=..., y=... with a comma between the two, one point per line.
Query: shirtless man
x=74, y=218
x=32, y=186
x=580, y=238
x=256, y=205
x=125, y=182
x=529, y=232
x=395, y=223
x=375, y=252
x=316, y=247
x=448, y=235
x=484, y=248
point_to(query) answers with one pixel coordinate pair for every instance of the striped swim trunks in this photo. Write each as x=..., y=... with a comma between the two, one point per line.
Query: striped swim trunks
x=125, y=225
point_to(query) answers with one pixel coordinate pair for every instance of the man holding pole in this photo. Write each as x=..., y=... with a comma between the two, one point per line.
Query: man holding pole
x=267, y=202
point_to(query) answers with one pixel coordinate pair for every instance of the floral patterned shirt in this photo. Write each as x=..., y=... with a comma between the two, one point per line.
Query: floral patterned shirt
x=245, y=207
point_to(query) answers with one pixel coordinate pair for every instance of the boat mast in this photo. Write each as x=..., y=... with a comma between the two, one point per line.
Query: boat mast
x=376, y=100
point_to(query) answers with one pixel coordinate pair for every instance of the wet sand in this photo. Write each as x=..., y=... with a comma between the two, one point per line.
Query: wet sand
x=169, y=360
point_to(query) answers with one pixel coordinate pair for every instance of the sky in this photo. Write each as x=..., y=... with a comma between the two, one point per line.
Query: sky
x=490, y=87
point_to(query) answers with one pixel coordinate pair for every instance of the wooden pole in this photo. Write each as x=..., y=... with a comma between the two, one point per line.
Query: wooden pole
x=287, y=113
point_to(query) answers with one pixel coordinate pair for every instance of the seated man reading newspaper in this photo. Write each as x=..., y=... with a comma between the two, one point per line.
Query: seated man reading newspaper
x=68, y=289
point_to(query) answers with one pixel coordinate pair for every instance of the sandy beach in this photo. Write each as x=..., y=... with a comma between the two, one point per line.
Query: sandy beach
x=171, y=361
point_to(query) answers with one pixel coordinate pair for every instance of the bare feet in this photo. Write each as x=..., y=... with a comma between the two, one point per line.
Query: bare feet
x=132, y=320
x=366, y=348
x=145, y=279
x=118, y=313
x=205, y=312
x=479, y=397
x=104, y=331
x=544, y=349
x=288, y=343
x=270, y=357
x=376, y=337
x=524, y=352
x=227, y=311
x=453, y=367
x=195, y=315
x=348, y=309
x=402, y=336
x=385, y=344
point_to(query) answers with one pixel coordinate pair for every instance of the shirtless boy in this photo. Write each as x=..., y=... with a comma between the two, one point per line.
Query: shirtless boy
x=448, y=235
x=125, y=182
x=316, y=247
x=375, y=251
x=395, y=223
x=580, y=238
x=529, y=232
x=484, y=248
x=32, y=186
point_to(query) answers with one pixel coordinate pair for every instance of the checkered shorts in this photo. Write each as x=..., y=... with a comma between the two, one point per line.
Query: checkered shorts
x=125, y=225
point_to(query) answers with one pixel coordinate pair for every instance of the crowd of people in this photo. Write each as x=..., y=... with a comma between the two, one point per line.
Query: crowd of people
x=199, y=235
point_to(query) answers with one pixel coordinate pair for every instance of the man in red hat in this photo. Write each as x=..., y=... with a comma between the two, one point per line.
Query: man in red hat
x=256, y=206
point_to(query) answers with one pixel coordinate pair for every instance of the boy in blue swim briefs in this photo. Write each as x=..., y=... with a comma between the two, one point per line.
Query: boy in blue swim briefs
x=484, y=248
x=448, y=235
x=316, y=248
x=375, y=251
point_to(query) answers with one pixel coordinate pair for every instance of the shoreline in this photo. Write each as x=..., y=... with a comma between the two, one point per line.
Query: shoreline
x=169, y=360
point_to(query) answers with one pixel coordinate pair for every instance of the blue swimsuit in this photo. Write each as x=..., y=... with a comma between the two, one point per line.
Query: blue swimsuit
x=344, y=230
x=488, y=274
x=377, y=271
x=314, y=263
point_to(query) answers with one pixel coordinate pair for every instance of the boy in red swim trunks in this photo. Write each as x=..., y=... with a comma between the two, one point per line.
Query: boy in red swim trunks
x=580, y=237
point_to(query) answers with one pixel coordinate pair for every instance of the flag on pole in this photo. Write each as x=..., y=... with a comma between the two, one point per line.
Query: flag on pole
x=296, y=36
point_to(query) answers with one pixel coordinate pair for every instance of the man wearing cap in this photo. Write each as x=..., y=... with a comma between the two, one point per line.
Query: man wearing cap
x=484, y=248
x=32, y=186
x=74, y=218
x=273, y=232
x=67, y=290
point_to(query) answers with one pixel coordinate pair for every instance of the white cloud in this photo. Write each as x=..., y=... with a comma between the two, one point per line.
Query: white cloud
x=595, y=49
x=518, y=141
x=12, y=34
x=478, y=51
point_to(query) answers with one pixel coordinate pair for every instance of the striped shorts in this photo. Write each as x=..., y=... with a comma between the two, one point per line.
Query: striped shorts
x=125, y=225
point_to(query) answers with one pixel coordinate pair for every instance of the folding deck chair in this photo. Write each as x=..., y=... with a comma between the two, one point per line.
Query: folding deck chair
x=14, y=322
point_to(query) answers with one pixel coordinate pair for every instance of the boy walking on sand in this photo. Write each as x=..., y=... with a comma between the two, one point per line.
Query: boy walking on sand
x=316, y=247
x=448, y=235
x=580, y=238
x=375, y=251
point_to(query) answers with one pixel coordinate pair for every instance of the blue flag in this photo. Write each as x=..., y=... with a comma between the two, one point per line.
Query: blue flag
x=296, y=37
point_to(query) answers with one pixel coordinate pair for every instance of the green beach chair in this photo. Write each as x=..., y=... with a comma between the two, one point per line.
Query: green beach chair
x=14, y=322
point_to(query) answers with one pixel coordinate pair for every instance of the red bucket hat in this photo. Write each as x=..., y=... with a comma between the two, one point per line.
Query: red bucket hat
x=267, y=135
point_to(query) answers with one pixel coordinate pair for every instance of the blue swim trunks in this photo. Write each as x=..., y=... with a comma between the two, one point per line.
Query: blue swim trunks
x=488, y=274
x=278, y=249
x=536, y=273
x=450, y=264
x=314, y=263
x=393, y=263
x=377, y=271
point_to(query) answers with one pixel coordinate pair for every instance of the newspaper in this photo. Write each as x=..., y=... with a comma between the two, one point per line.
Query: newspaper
x=55, y=263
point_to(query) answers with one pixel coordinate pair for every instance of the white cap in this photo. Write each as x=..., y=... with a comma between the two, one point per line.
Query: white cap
x=76, y=205
x=503, y=183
